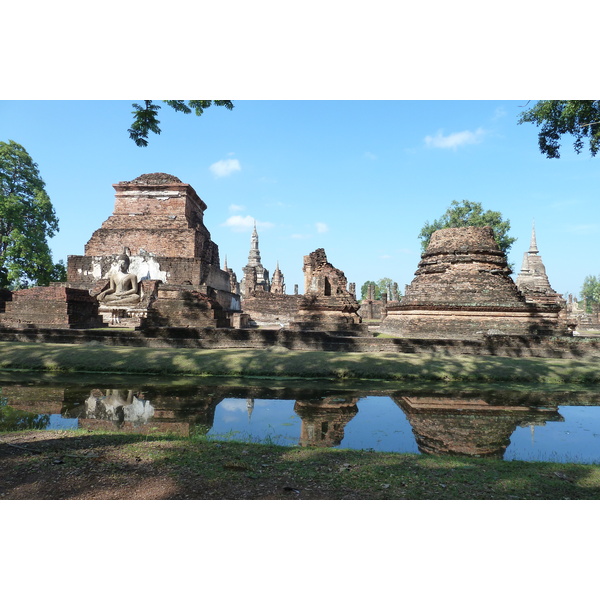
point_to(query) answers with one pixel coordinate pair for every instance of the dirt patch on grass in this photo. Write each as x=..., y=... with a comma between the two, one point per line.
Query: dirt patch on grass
x=92, y=465
x=51, y=465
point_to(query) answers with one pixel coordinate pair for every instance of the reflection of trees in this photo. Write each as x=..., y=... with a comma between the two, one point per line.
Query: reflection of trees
x=323, y=421
x=13, y=419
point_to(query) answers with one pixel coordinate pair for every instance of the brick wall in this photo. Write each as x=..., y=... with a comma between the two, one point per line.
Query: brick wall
x=265, y=308
x=53, y=306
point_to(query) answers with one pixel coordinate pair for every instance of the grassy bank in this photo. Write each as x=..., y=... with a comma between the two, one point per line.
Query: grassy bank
x=115, y=465
x=278, y=362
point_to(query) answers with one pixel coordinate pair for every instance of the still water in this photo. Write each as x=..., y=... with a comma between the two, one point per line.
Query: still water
x=561, y=425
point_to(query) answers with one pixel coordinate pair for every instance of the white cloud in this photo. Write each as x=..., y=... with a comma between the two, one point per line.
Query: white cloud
x=455, y=140
x=238, y=223
x=223, y=168
x=499, y=113
x=233, y=405
x=234, y=208
x=385, y=257
x=322, y=227
x=300, y=236
x=370, y=156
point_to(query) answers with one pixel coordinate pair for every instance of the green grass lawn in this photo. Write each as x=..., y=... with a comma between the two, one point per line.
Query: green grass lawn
x=282, y=363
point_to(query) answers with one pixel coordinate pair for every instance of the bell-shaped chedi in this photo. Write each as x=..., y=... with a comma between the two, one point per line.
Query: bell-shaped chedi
x=463, y=289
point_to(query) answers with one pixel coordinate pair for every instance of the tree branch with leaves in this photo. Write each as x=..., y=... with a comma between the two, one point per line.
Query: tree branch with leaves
x=146, y=115
x=27, y=220
x=557, y=118
x=469, y=214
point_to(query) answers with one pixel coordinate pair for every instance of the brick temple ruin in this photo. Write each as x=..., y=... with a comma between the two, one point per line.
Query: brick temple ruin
x=151, y=263
x=157, y=228
x=265, y=301
x=152, y=266
x=462, y=288
x=532, y=279
x=328, y=303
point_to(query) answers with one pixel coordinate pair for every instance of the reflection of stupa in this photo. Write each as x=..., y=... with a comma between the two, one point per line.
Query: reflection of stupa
x=468, y=426
x=323, y=421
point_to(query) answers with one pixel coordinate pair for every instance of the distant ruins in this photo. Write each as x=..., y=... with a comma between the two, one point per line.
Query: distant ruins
x=152, y=266
x=462, y=288
x=328, y=304
x=263, y=301
x=532, y=280
x=256, y=277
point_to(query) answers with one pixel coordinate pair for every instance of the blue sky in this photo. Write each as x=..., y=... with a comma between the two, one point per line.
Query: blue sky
x=358, y=178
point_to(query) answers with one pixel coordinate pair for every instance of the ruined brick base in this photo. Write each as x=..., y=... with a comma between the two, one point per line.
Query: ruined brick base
x=55, y=306
x=179, y=306
x=462, y=322
x=266, y=309
x=210, y=338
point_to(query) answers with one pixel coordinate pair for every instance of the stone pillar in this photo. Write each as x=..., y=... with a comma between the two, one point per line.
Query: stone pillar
x=371, y=292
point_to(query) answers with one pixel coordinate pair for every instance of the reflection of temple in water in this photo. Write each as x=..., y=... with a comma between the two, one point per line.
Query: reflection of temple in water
x=323, y=421
x=130, y=410
x=468, y=426
x=117, y=406
x=466, y=423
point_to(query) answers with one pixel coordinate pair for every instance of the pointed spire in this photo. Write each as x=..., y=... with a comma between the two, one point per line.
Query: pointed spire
x=533, y=249
x=225, y=265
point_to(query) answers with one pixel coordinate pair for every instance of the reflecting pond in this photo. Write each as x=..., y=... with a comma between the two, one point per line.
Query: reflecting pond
x=561, y=425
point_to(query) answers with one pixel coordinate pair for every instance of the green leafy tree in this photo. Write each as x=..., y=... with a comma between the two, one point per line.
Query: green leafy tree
x=577, y=118
x=383, y=285
x=590, y=292
x=146, y=115
x=364, y=289
x=27, y=220
x=469, y=214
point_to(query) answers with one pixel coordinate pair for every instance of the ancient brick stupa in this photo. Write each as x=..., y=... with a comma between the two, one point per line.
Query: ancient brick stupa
x=153, y=261
x=463, y=289
x=532, y=279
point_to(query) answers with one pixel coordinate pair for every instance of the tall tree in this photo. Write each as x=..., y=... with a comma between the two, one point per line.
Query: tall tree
x=578, y=118
x=590, y=292
x=27, y=219
x=146, y=116
x=469, y=214
x=385, y=285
